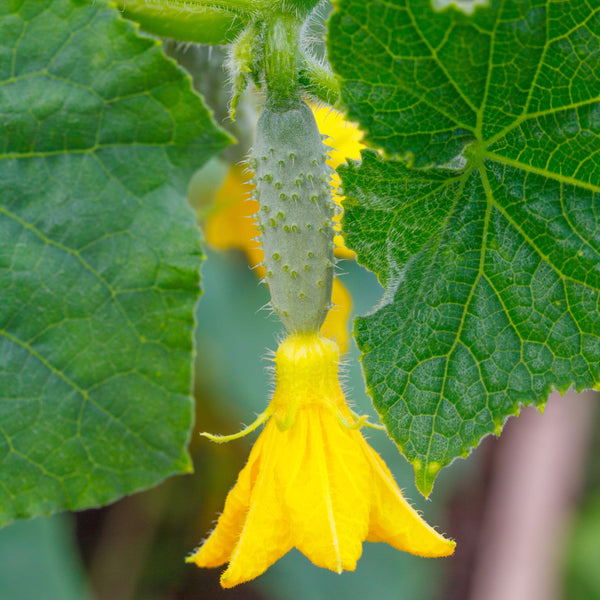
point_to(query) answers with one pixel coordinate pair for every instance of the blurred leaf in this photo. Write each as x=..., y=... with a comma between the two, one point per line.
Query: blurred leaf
x=490, y=251
x=582, y=578
x=43, y=546
x=99, y=256
x=199, y=22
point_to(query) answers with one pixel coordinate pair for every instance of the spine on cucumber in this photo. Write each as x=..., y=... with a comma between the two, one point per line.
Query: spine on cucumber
x=295, y=216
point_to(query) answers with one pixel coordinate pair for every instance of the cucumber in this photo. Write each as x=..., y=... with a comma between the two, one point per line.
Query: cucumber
x=295, y=216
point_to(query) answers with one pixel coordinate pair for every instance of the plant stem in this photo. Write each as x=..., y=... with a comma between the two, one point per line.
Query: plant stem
x=281, y=62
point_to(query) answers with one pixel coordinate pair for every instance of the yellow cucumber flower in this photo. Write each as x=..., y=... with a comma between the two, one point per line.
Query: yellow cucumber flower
x=346, y=142
x=311, y=482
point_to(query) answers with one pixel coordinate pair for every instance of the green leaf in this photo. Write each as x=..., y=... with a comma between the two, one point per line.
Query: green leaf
x=490, y=251
x=99, y=256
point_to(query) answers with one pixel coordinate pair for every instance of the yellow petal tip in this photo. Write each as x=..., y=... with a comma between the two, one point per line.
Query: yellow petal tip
x=444, y=548
x=450, y=547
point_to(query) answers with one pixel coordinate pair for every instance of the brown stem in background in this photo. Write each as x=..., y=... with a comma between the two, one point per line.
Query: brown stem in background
x=536, y=479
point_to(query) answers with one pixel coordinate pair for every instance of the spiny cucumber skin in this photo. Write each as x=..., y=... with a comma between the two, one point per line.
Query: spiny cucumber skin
x=295, y=216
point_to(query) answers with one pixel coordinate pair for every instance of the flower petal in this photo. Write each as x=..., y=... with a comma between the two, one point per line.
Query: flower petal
x=265, y=536
x=395, y=521
x=329, y=516
x=217, y=549
x=335, y=326
x=231, y=224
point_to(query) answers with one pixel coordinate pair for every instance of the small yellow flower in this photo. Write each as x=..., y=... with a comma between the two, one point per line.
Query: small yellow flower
x=346, y=141
x=232, y=223
x=311, y=482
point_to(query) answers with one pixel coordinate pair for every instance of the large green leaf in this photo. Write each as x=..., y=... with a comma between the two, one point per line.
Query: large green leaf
x=490, y=250
x=99, y=256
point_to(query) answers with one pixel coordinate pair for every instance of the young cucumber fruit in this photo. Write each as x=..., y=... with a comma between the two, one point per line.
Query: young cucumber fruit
x=295, y=216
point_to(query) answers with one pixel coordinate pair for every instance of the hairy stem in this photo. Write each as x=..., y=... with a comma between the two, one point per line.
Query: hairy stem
x=319, y=81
